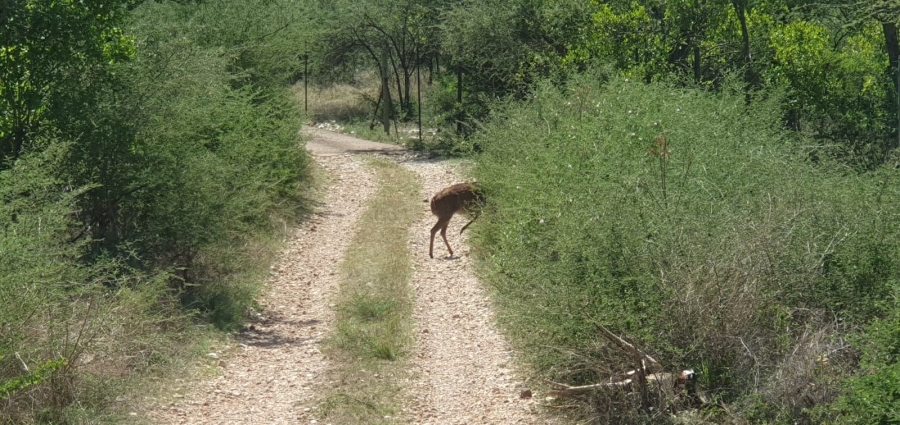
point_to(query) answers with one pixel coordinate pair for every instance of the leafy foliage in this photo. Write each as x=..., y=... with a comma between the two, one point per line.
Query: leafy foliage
x=502, y=47
x=840, y=91
x=871, y=396
x=45, y=47
x=688, y=223
x=38, y=375
x=149, y=151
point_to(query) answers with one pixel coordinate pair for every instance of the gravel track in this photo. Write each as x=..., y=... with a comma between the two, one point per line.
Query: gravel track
x=274, y=367
x=463, y=370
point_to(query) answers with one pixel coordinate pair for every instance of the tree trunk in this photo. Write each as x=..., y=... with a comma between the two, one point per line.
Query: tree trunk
x=397, y=72
x=890, y=42
x=385, y=93
x=431, y=59
x=740, y=9
x=893, y=96
x=697, y=74
x=407, y=78
x=459, y=93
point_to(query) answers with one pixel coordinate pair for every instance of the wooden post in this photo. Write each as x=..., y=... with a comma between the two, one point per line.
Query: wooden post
x=459, y=91
x=385, y=93
x=419, y=91
x=305, y=82
x=375, y=115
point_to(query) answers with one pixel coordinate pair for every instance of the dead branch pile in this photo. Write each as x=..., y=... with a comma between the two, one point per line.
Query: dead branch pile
x=647, y=376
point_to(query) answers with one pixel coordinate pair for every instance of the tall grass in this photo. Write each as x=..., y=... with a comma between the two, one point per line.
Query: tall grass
x=687, y=222
x=372, y=334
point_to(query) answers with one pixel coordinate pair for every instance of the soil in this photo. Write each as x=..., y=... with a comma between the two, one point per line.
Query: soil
x=463, y=370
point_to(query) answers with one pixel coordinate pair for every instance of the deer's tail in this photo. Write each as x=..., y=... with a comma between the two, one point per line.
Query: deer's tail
x=467, y=224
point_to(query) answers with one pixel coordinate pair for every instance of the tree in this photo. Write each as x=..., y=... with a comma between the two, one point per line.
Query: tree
x=886, y=12
x=403, y=28
x=651, y=39
x=44, y=47
x=504, y=46
x=865, y=36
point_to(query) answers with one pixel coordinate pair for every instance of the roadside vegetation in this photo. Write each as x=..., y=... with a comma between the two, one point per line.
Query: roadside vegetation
x=374, y=306
x=688, y=223
x=148, y=158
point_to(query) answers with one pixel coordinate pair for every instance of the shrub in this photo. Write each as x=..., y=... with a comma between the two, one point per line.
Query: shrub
x=65, y=335
x=149, y=190
x=687, y=222
x=871, y=395
x=202, y=162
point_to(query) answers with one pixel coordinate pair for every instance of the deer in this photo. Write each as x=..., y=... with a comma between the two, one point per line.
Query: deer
x=461, y=198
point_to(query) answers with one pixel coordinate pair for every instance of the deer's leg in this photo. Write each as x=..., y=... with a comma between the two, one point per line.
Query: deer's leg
x=441, y=225
x=444, y=235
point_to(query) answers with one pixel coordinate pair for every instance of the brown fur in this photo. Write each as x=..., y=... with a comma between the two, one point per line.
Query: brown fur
x=456, y=199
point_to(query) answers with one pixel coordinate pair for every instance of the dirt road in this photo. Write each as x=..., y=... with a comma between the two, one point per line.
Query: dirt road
x=462, y=368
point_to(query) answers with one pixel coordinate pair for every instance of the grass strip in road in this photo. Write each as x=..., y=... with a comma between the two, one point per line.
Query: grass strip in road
x=374, y=305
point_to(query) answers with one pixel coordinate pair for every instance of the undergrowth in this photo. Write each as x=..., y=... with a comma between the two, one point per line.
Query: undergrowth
x=689, y=224
x=141, y=209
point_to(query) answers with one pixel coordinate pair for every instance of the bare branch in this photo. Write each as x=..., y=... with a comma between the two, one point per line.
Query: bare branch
x=662, y=380
x=627, y=346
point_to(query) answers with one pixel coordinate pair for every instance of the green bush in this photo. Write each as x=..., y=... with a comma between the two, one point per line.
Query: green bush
x=210, y=159
x=37, y=260
x=145, y=189
x=65, y=333
x=687, y=222
x=872, y=397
